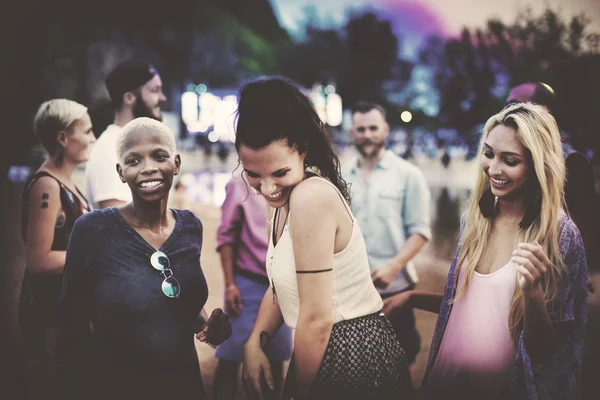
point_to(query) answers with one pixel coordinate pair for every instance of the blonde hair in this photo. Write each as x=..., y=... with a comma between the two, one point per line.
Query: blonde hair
x=147, y=124
x=537, y=131
x=54, y=116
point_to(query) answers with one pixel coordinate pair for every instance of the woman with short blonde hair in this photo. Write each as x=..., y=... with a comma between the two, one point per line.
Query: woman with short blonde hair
x=51, y=204
x=52, y=117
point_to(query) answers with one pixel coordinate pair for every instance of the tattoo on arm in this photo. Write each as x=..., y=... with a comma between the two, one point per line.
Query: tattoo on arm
x=44, y=202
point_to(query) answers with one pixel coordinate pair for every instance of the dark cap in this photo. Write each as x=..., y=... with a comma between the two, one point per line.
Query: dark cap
x=128, y=76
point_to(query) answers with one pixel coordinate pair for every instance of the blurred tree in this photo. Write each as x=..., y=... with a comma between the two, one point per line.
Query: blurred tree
x=372, y=54
x=464, y=80
x=474, y=73
x=67, y=47
x=361, y=58
x=318, y=53
x=559, y=52
x=256, y=15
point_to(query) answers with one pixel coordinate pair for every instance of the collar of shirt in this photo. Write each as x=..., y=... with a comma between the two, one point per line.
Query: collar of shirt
x=384, y=163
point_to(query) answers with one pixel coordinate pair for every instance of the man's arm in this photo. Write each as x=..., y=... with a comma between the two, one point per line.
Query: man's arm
x=411, y=248
x=233, y=296
x=226, y=253
x=416, y=220
x=227, y=235
x=383, y=277
x=428, y=301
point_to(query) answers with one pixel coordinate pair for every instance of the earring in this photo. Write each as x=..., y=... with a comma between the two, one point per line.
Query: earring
x=487, y=203
x=532, y=209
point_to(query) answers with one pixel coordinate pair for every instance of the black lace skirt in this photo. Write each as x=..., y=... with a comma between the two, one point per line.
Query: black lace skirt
x=363, y=360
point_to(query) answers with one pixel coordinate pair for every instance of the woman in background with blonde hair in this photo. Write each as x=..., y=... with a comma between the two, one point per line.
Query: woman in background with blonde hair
x=51, y=204
x=512, y=318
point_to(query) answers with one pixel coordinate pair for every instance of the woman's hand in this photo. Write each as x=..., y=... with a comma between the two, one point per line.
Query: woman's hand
x=216, y=330
x=532, y=264
x=256, y=372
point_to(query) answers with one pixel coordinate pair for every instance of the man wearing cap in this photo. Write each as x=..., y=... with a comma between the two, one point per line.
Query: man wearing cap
x=135, y=89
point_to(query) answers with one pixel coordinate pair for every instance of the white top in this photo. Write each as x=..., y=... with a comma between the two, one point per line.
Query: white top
x=102, y=181
x=354, y=294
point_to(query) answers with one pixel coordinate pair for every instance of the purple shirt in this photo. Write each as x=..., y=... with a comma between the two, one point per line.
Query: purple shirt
x=560, y=377
x=244, y=227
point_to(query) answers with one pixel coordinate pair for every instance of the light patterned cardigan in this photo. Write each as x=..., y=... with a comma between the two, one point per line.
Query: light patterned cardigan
x=559, y=378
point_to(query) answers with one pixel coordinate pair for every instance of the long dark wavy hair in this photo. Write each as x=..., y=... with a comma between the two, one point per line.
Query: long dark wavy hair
x=274, y=108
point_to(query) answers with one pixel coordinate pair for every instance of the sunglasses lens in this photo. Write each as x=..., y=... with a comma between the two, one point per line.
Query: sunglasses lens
x=170, y=287
x=160, y=261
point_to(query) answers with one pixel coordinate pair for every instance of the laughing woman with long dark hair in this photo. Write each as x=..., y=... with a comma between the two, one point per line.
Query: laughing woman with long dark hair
x=344, y=347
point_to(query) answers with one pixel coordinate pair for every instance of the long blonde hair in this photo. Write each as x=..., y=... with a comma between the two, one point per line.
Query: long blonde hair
x=538, y=132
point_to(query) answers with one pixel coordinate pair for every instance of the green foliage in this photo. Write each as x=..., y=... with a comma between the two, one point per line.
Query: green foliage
x=225, y=52
x=67, y=47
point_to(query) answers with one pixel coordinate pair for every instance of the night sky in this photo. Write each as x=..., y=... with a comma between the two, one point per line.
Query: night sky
x=417, y=19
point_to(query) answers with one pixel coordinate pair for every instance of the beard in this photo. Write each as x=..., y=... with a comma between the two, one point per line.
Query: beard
x=141, y=109
x=372, y=151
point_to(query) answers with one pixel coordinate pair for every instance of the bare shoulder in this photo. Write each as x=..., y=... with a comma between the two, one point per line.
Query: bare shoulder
x=43, y=201
x=44, y=187
x=313, y=193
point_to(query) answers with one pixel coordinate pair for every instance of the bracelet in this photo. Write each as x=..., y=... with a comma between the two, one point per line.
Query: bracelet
x=214, y=346
x=232, y=286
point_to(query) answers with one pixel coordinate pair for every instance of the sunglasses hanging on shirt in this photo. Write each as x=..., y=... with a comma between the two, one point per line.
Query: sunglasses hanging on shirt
x=170, y=286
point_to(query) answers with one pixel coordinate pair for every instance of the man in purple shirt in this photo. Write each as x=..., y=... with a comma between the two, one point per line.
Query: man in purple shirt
x=242, y=242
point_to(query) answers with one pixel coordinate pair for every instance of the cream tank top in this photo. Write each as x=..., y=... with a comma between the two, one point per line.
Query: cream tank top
x=353, y=292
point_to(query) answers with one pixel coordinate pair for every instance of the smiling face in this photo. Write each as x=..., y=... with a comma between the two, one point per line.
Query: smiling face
x=148, y=164
x=273, y=170
x=505, y=162
x=78, y=139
